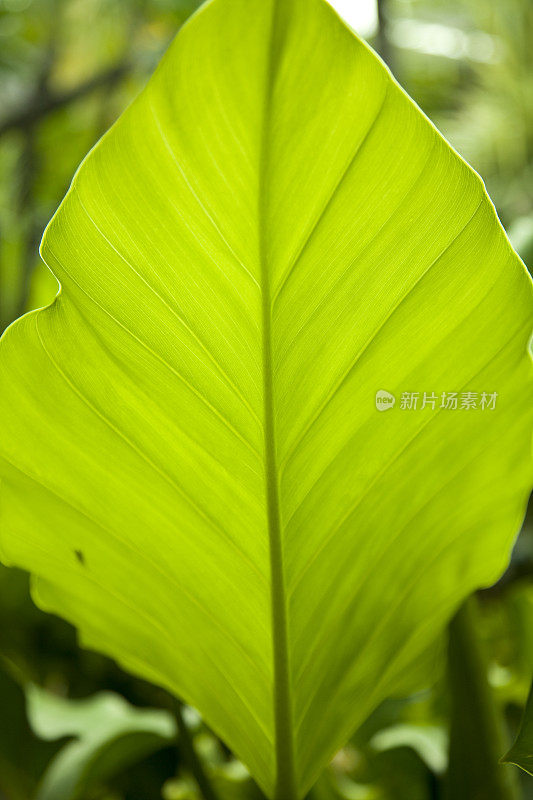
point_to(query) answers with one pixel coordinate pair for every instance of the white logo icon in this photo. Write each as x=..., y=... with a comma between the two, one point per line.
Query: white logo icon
x=384, y=400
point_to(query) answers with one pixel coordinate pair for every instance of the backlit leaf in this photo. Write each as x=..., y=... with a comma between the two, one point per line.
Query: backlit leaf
x=193, y=465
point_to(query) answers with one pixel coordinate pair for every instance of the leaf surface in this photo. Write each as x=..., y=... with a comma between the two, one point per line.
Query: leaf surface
x=193, y=466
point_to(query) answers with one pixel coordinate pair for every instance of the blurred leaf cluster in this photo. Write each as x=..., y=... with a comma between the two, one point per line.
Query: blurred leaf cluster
x=67, y=69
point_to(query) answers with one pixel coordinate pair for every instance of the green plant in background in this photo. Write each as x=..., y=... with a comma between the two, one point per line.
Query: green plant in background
x=193, y=465
x=521, y=753
x=108, y=735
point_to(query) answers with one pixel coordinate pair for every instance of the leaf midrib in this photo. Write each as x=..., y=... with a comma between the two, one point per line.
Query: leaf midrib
x=285, y=786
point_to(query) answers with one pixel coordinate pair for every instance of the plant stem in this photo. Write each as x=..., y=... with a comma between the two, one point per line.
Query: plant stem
x=477, y=727
x=190, y=756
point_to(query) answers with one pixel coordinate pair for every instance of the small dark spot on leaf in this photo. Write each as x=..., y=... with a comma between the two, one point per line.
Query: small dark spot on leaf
x=79, y=555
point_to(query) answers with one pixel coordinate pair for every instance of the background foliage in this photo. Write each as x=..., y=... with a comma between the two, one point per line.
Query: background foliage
x=67, y=69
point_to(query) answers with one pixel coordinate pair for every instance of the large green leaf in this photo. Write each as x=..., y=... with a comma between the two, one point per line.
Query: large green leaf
x=193, y=466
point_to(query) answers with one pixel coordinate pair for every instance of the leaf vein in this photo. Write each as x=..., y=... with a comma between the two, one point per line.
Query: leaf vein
x=372, y=339
x=202, y=513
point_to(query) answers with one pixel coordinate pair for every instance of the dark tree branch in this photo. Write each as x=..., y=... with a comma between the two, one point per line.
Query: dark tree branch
x=29, y=168
x=190, y=756
x=47, y=102
x=29, y=165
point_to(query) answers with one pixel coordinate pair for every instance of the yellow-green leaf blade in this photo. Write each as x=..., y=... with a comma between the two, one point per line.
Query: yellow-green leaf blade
x=193, y=465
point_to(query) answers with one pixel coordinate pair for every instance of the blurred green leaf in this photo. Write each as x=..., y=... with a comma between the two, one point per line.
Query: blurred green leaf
x=109, y=735
x=429, y=741
x=229, y=780
x=521, y=753
x=22, y=755
x=477, y=727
